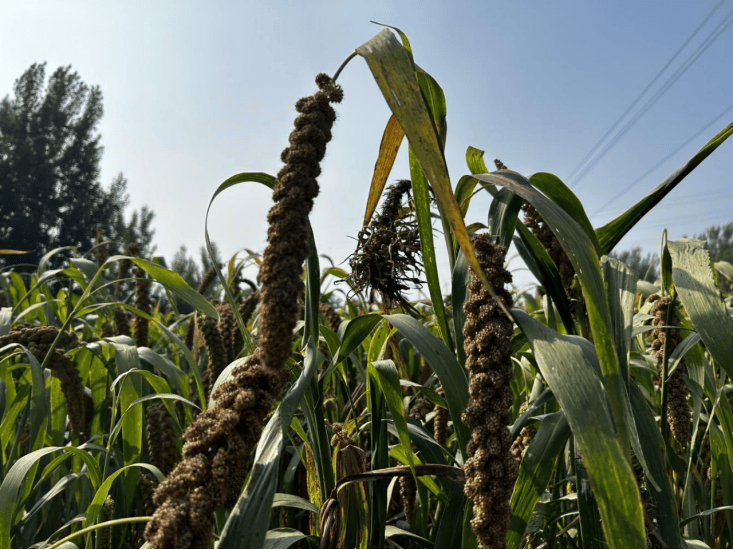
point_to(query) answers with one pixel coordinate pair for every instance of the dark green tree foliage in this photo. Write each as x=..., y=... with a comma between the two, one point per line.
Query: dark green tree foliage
x=720, y=242
x=49, y=168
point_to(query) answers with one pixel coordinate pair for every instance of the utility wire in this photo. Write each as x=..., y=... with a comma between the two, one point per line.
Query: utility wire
x=644, y=91
x=653, y=100
x=665, y=159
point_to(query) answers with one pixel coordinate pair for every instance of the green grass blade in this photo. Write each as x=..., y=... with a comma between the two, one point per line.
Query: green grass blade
x=698, y=292
x=387, y=378
x=459, y=287
x=452, y=376
x=559, y=193
x=450, y=524
x=282, y=537
x=610, y=234
x=535, y=472
x=98, y=501
x=248, y=522
x=564, y=363
x=579, y=248
x=544, y=269
x=503, y=214
x=621, y=285
x=652, y=449
x=425, y=226
x=357, y=329
x=16, y=478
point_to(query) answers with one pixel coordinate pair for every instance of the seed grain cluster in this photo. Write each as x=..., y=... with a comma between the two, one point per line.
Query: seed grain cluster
x=490, y=469
x=220, y=441
x=679, y=415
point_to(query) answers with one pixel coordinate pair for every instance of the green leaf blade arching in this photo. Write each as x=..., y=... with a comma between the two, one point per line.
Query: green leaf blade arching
x=694, y=282
x=535, y=472
x=610, y=234
x=564, y=362
x=579, y=248
x=452, y=376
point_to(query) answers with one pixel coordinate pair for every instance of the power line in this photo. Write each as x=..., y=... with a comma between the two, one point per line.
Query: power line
x=657, y=96
x=665, y=159
x=646, y=89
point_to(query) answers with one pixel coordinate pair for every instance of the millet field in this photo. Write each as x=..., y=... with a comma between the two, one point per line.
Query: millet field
x=319, y=406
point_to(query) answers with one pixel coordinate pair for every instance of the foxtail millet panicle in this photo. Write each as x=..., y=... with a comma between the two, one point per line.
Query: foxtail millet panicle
x=38, y=339
x=440, y=420
x=100, y=248
x=161, y=438
x=678, y=411
x=333, y=319
x=220, y=442
x=142, y=302
x=408, y=494
x=490, y=468
x=227, y=326
x=388, y=252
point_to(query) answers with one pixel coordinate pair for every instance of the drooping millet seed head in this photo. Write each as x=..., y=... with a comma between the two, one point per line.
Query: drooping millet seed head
x=408, y=494
x=142, y=302
x=388, y=253
x=123, y=267
x=332, y=318
x=161, y=438
x=209, y=278
x=100, y=248
x=38, y=340
x=490, y=468
x=679, y=414
x=216, y=349
x=440, y=421
x=220, y=442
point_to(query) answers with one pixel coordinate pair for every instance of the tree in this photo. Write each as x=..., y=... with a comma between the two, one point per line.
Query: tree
x=720, y=242
x=49, y=168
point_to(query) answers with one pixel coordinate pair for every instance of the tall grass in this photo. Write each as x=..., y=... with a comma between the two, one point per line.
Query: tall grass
x=377, y=422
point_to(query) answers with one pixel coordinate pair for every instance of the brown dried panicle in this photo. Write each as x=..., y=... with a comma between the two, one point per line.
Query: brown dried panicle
x=490, y=468
x=38, y=340
x=332, y=318
x=216, y=351
x=161, y=438
x=679, y=414
x=100, y=248
x=107, y=514
x=227, y=327
x=388, y=253
x=408, y=494
x=521, y=443
x=220, y=442
x=440, y=421
x=142, y=302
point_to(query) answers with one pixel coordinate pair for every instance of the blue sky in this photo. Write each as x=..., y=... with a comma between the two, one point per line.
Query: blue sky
x=195, y=92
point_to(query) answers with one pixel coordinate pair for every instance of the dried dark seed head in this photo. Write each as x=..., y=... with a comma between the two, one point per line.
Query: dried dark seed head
x=388, y=253
x=142, y=302
x=408, y=494
x=100, y=248
x=219, y=443
x=161, y=438
x=490, y=468
x=679, y=415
